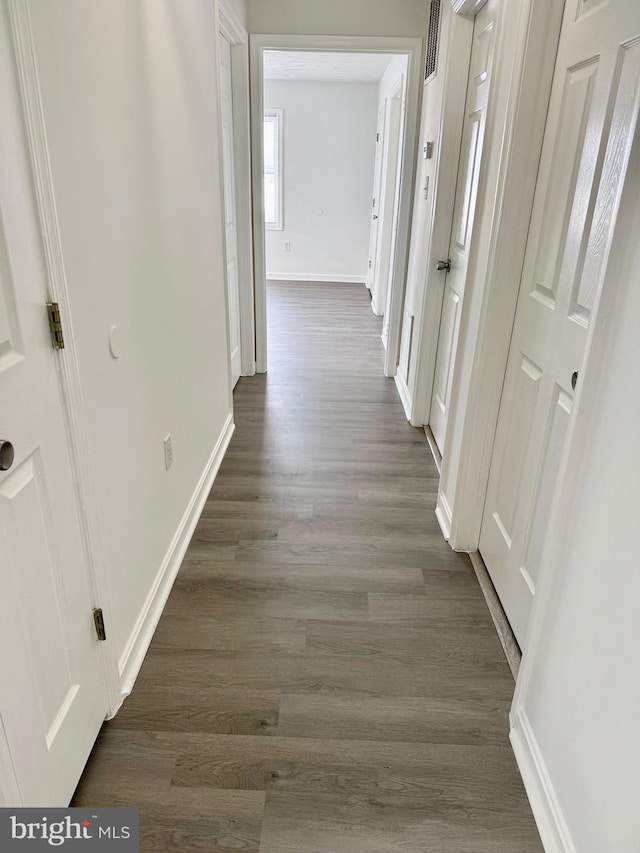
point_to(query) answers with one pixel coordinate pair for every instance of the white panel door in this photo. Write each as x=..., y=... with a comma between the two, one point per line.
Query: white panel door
x=228, y=157
x=482, y=51
x=52, y=697
x=375, y=205
x=591, y=120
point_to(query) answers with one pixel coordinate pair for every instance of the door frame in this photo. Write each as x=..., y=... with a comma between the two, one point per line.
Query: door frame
x=388, y=197
x=376, y=193
x=413, y=48
x=237, y=36
x=68, y=365
x=526, y=46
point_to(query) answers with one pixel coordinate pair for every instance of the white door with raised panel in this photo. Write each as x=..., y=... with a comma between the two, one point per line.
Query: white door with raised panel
x=592, y=115
x=228, y=158
x=52, y=696
x=475, y=115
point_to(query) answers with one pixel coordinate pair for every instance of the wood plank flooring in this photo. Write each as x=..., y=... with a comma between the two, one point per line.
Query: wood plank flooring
x=326, y=677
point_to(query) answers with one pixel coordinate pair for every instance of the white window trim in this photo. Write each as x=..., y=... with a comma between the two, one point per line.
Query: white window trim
x=279, y=116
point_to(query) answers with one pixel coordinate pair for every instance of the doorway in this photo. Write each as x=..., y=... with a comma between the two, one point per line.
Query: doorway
x=318, y=194
x=332, y=144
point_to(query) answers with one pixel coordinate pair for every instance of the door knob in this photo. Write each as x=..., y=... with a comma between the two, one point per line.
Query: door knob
x=375, y=215
x=6, y=455
x=443, y=266
x=574, y=379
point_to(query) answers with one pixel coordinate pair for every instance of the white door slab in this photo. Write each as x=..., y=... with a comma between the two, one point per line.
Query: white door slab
x=228, y=149
x=480, y=70
x=52, y=697
x=592, y=115
x=389, y=198
x=375, y=205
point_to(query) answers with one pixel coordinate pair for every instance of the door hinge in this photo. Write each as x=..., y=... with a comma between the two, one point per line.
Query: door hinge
x=55, y=325
x=369, y=264
x=373, y=202
x=377, y=137
x=98, y=621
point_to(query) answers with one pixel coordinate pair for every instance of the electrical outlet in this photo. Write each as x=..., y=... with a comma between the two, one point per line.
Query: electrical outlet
x=168, y=452
x=287, y=246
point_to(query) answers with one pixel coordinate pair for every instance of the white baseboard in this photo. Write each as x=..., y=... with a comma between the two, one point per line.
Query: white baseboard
x=403, y=391
x=321, y=278
x=374, y=306
x=443, y=514
x=140, y=639
x=552, y=826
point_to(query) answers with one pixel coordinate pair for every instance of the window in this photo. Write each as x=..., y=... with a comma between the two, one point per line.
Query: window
x=273, y=170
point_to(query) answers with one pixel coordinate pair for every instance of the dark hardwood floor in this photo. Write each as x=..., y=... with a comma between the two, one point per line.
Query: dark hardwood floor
x=326, y=677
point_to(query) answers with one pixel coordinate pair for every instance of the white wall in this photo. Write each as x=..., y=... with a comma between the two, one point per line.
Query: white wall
x=129, y=93
x=339, y=17
x=329, y=148
x=580, y=692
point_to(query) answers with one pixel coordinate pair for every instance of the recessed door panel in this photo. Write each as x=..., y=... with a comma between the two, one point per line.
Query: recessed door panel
x=550, y=455
x=563, y=179
x=10, y=339
x=523, y=399
x=38, y=585
x=468, y=166
x=449, y=327
x=624, y=97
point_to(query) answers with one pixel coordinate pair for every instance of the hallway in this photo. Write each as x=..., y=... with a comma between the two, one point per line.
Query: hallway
x=326, y=677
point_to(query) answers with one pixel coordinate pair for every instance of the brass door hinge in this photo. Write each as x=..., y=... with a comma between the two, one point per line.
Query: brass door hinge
x=55, y=326
x=98, y=621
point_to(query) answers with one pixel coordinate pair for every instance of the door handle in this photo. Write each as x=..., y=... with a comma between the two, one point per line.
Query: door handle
x=444, y=266
x=375, y=215
x=7, y=455
x=574, y=380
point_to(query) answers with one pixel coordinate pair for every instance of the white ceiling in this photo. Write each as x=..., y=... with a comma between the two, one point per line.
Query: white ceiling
x=308, y=65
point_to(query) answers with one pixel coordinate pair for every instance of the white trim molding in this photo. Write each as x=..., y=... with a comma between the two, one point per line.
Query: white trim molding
x=413, y=48
x=320, y=278
x=467, y=8
x=142, y=634
x=233, y=31
x=230, y=25
x=550, y=821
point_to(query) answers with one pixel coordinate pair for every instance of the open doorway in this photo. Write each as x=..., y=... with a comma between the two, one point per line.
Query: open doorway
x=334, y=135
x=332, y=150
